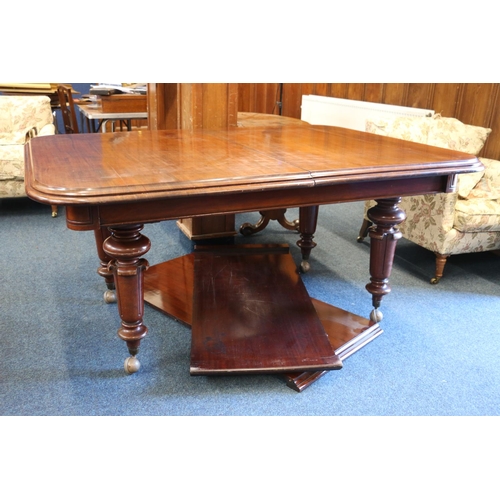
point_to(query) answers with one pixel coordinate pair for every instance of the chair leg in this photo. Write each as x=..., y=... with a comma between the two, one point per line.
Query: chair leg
x=440, y=263
x=363, y=232
x=54, y=210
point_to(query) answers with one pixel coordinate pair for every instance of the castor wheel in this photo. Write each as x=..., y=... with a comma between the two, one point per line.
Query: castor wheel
x=246, y=229
x=131, y=365
x=376, y=316
x=435, y=280
x=110, y=296
x=305, y=266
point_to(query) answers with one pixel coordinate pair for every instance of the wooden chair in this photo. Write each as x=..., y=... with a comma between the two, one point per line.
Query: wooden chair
x=65, y=96
x=67, y=109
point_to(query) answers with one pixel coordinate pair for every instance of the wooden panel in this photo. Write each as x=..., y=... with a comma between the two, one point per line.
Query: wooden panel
x=356, y=91
x=420, y=95
x=163, y=110
x=292, y=99
x=338, y=90
x=309, y=88
x=168, y=287
x=264, y=322
x=446, y=98
x=246, y=97
x=321, y=89
x=213, y=226
x=192, y=106
x=492, y=147
x=374, y=92
x=259, y=97
x=476, y=104
x=395, y=93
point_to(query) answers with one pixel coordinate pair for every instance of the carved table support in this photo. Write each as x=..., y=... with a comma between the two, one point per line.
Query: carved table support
x=308, y=219
x=384, y=235
x=125, y=246
x=248, y=229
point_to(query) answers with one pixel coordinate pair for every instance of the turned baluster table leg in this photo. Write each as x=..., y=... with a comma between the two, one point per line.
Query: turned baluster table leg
x=100, y=237
x=126, y=245
x=308, y=219
x=383, y=239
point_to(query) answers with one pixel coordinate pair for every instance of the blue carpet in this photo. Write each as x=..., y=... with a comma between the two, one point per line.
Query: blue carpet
x=438, y=354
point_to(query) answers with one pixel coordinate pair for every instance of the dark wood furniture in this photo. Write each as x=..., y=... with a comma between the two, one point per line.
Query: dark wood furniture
x=194, y=106
x=267, y=120
x=68, y=110
x=115, y=183
x=170, y=287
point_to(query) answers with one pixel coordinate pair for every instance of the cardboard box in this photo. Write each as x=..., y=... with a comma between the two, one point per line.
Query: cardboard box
x=124, y=103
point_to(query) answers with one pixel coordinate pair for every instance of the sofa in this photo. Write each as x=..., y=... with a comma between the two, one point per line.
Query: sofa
x=21, y=118
x=465, y=221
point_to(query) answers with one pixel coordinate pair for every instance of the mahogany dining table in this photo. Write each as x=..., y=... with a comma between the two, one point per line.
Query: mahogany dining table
x=114, y=184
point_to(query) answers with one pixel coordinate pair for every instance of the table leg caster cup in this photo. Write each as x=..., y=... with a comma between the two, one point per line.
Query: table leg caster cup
x=376, y=315
x=131, y=365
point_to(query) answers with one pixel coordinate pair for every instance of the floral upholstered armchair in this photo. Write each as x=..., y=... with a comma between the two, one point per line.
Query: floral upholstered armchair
x=21, y=118
x=453, y=223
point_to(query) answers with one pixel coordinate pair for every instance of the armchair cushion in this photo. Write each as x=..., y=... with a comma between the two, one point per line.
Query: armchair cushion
x=477, y=216
x=408, y=128
x=11, y=162
x=480, y=211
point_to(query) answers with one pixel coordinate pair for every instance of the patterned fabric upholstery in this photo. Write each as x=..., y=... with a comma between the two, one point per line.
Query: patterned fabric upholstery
x=20, y=118
x=462, y=222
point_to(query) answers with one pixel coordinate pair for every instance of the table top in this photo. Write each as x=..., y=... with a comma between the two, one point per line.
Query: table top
x=95, y=112
x=132, y=166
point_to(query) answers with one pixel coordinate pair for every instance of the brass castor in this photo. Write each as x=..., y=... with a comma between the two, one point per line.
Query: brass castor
x=376, y=316
x=435, y=280
x=131, y=365
x=110, y=296
x=305, y=266
x=246, y=229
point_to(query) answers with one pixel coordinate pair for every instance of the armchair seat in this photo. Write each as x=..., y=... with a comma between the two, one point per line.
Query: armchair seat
x=477, y=217
x=448, y=223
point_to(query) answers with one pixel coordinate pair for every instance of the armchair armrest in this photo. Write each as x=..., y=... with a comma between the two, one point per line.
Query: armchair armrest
x=48, y=129
x=18, y=137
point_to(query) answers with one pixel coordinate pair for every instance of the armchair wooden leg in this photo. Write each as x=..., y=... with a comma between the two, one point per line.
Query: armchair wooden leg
x=363, y=232
x=440, y=263
x=54, y=210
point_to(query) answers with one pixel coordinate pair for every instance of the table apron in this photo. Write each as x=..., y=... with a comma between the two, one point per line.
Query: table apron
x=84, y=217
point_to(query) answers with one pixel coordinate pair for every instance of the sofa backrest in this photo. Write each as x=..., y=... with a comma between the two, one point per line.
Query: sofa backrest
x=448, y=133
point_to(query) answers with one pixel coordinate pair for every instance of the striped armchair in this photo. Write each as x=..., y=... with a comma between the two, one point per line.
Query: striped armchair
x=453, y=223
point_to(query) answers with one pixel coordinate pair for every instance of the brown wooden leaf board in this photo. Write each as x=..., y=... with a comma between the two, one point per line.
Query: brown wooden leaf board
x=250, y=313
